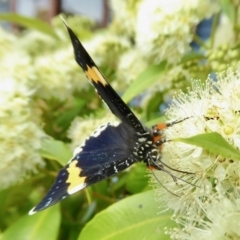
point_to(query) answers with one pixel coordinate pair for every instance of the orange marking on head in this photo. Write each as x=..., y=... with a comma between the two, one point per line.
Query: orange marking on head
x=156, y=138
x=161, y=126
x=94, y=75
x=74, y=175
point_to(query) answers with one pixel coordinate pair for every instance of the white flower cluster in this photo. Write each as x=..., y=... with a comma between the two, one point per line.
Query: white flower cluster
x=207, y=204
x=160, y=30
x=58, y=75
x=129, y=67
x=20, y=128
x=165, y=28
x=35, y=43
x=125, y=14
x=105, y=48
x=20, y=134
x=6, y=41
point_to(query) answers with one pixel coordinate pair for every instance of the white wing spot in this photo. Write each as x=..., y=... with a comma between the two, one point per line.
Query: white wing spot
x=142, y=139
x=115, y=169
x=48, y=202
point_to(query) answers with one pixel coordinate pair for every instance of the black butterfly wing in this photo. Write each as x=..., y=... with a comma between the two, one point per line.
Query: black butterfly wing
x=109, y=150
x=106, y=152
x=104, y=89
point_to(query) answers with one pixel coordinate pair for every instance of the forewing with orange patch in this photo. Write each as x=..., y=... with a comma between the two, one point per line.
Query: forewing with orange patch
x=103, y=88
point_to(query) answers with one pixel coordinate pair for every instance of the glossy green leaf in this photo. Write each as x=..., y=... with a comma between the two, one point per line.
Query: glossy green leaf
x=42, y=225
x=55, y=150
x=28, y=22
x=213, y=143
x=144, y=80
x=135, y=217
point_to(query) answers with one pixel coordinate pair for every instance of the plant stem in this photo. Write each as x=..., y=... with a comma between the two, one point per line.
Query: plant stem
x=198, y=40
x=235, y=21
x=103, y=197
x=214, y=28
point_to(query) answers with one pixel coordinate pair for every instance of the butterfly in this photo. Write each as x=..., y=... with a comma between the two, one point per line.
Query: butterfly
x=113, y=147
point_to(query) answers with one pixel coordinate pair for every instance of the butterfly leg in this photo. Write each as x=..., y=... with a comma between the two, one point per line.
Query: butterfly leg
x=155, y=165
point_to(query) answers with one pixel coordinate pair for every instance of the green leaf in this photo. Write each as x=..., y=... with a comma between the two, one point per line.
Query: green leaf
x=144, y=80
x=12, y=198
x=213, y=143
x=137, y=178
x=151, y=109
x=28, y=22
x=228, y=8
x=55, y=150
x=43, y=225
x=66, y=117
x=135, y=217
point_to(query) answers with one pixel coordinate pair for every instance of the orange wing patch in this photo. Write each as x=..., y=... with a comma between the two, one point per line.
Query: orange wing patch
x=76, y=182
x=94, y=75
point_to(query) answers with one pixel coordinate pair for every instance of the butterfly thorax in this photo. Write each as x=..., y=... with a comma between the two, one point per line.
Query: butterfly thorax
x=145, y=149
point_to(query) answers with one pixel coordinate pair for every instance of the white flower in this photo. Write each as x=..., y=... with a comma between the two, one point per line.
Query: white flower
x=20, y=134
x=129, y=67
x=17, y=64
x=105, y=48
x=125, y=13
x=36, y=43
x=7, y=41
x=165, y=28
x=220, y=221
x=210, y=108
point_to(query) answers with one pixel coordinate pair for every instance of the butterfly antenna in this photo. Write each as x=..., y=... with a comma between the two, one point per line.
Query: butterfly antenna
x=64, y=21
